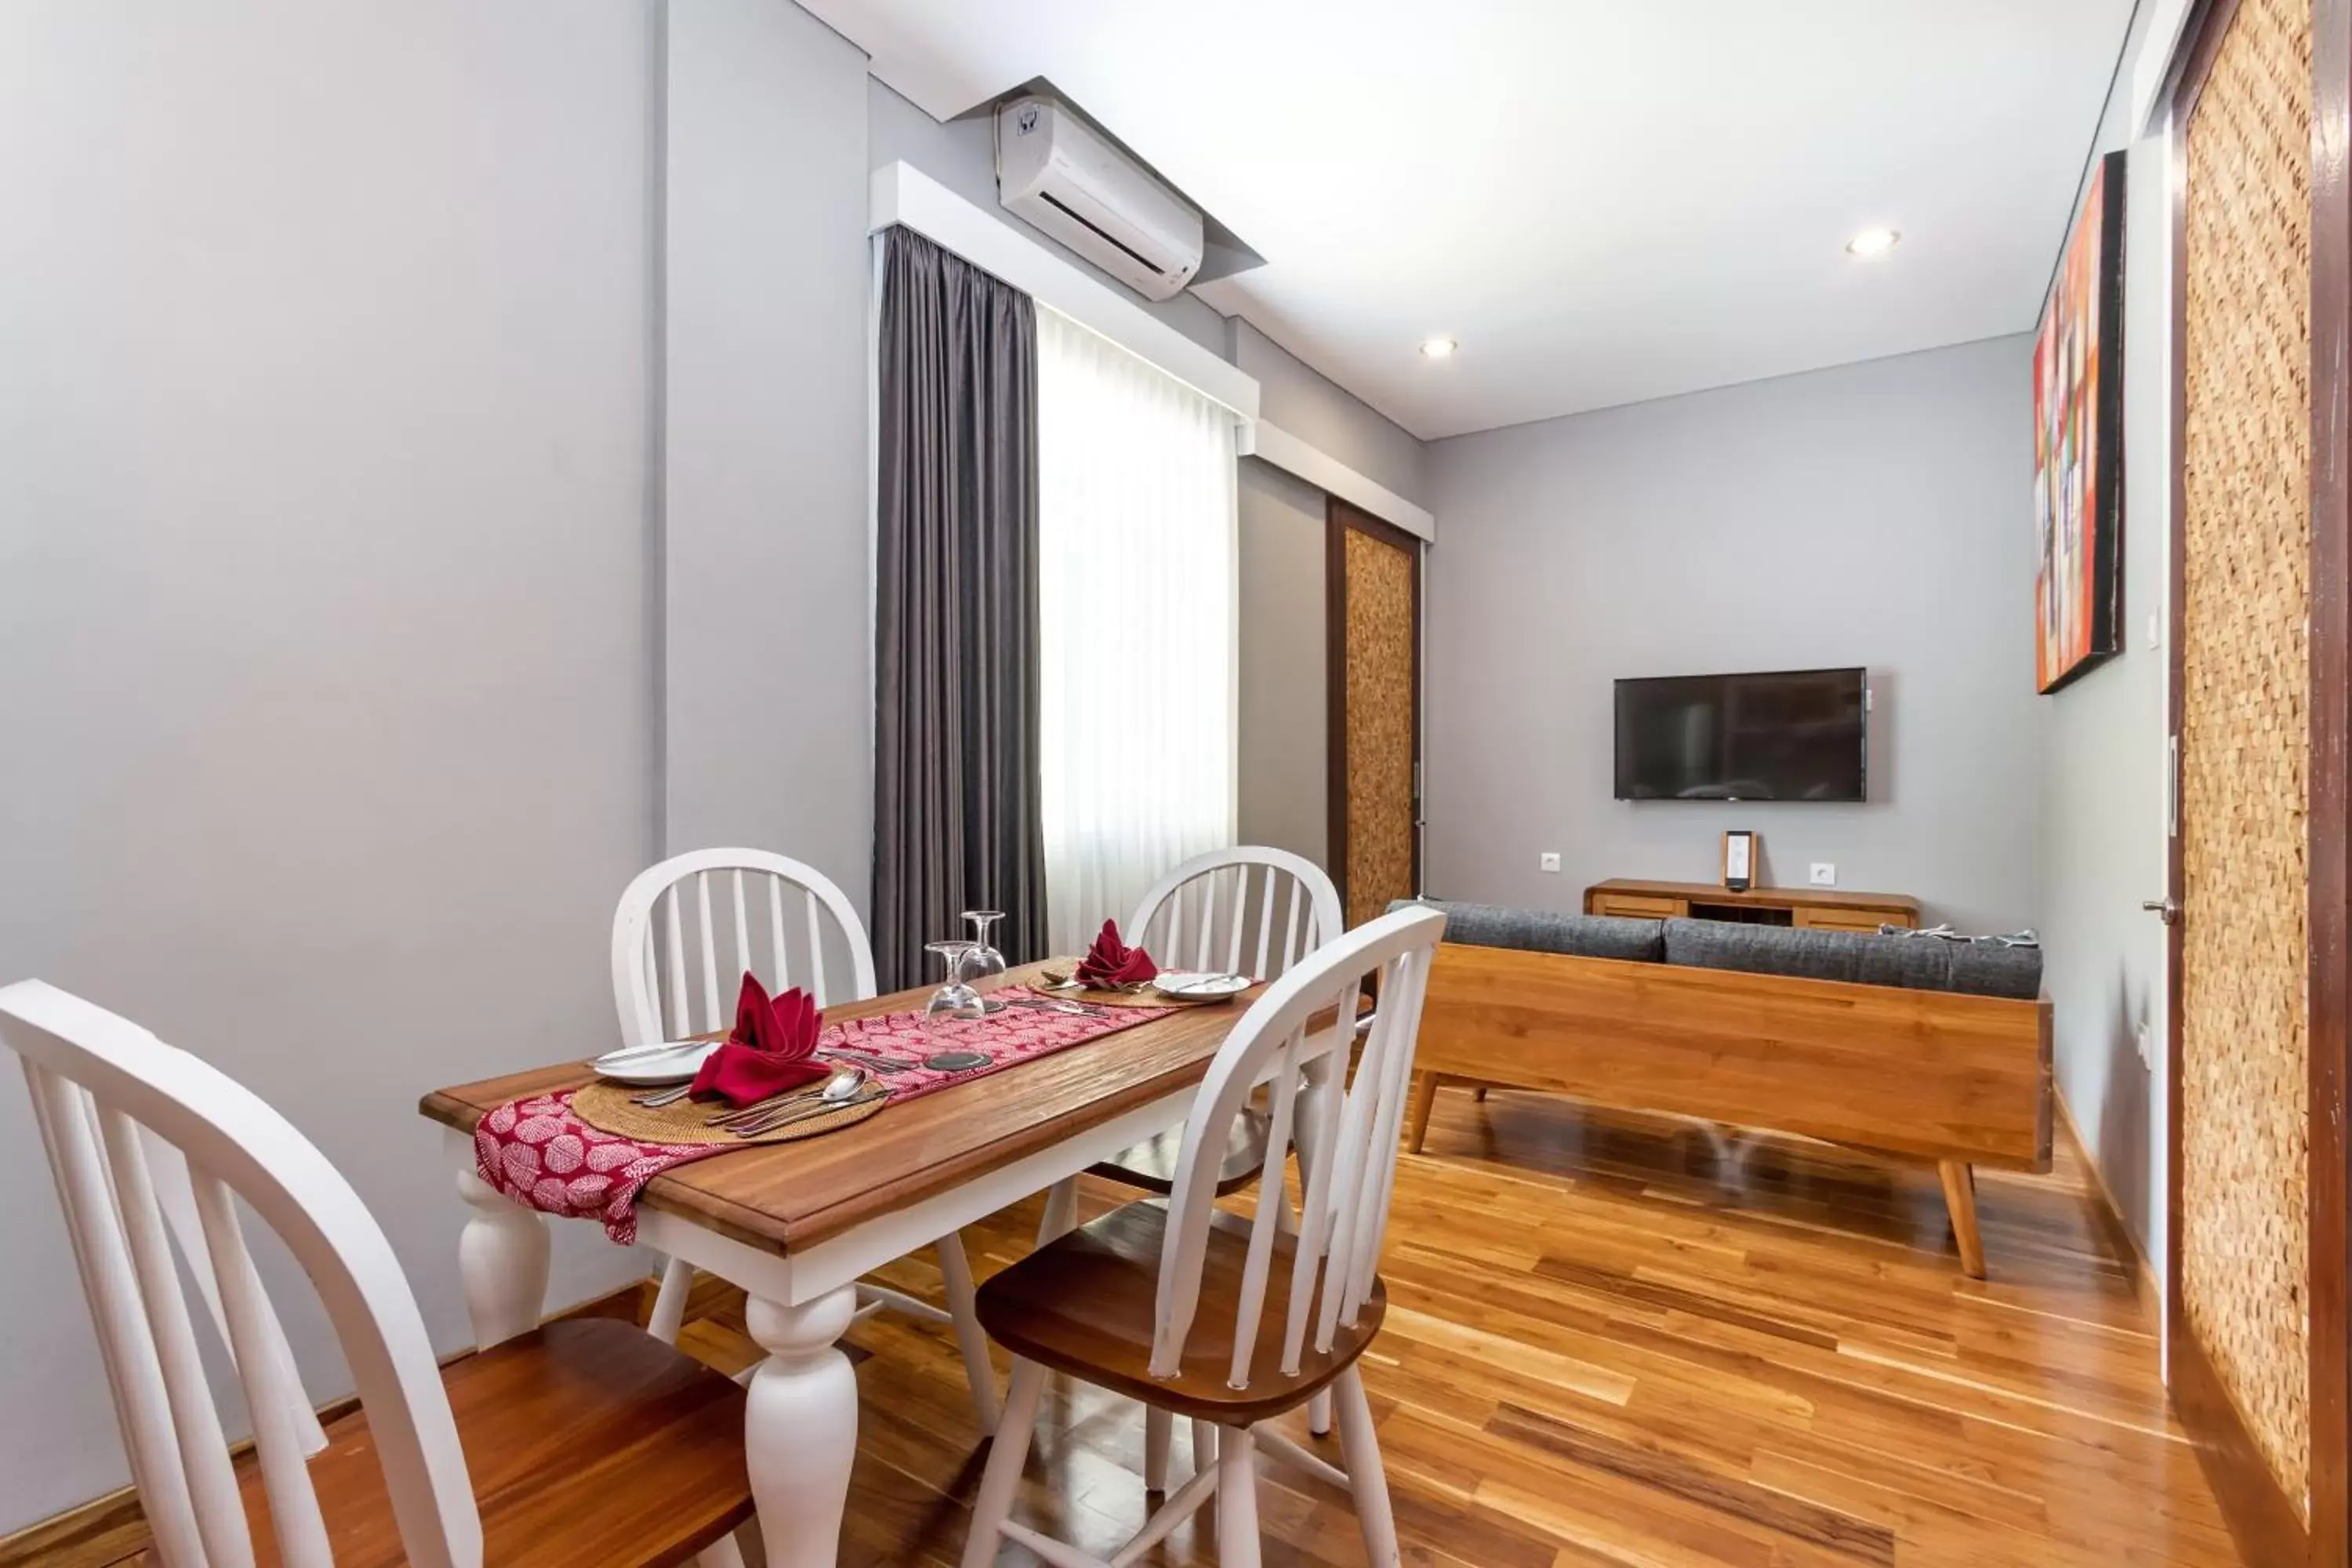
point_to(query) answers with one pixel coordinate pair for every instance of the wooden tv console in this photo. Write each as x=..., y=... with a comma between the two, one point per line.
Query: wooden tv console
x=1809, y=909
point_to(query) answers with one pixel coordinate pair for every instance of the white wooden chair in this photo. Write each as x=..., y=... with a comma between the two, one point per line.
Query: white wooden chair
x=664, y=929
x=566, y=1429
x=1251, y=907
x=1244, y=1319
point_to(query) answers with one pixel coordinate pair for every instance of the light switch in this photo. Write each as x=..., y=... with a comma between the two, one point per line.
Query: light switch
x=1824, y=874
x=1549, y=861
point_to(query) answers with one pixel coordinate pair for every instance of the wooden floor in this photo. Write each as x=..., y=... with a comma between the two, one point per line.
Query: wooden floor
x=1606, y=1346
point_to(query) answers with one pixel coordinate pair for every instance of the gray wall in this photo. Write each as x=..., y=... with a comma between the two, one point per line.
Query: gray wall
x=435, y=486
x=1281, y=785
x=1284, y=768
x=324, y=630
x=2102, y=786
x=1299, y=399
x=1873, y=514
x=770, y=700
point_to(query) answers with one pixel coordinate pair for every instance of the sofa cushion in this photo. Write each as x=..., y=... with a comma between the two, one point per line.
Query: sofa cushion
x=1915, y=964
x=1542, y=930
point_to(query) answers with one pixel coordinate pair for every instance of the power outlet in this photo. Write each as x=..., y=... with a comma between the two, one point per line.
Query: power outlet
x=1824, y=874
x=1549, y=861
x=2143, y=1039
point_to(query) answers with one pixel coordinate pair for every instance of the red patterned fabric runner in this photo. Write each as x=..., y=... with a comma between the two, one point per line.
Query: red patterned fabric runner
x=538, y=1153
x=1007, y=1039
x=542, y=1156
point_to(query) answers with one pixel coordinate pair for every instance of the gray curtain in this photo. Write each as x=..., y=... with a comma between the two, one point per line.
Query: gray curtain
x=956, y=818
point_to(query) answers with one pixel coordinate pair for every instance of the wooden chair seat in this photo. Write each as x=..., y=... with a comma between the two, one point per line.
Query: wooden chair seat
x=590, y=1445
x=1150, y=1165
x=1084, y=1305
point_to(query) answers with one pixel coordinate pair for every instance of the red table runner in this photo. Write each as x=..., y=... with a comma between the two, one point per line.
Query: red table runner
x=542, y=1156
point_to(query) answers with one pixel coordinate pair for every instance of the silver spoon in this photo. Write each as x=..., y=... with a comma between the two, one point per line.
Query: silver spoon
x=841, y=1085
x=806, y=1109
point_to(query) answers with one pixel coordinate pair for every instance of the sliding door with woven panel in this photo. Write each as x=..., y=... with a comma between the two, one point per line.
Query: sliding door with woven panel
x=2245, y=1227
x=1376, y=604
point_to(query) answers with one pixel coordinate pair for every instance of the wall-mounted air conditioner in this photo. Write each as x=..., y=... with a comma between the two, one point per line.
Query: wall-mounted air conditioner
x=1055, y=173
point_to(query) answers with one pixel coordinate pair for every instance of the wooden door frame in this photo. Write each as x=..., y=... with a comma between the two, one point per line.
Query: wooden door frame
x=1338, y=518
x=2260, y=1516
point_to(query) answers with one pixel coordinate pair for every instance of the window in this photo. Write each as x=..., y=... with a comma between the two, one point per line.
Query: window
x=1139, y=618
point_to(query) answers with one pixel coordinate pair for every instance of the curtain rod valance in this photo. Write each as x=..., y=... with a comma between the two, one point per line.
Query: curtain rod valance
x=905, y=196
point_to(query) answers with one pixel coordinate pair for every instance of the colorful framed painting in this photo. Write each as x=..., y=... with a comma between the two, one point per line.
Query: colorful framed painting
x=2078, y=430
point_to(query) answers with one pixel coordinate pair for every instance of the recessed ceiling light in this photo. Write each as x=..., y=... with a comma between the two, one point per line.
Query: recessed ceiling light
x=1872, y=242
x=1438, y=348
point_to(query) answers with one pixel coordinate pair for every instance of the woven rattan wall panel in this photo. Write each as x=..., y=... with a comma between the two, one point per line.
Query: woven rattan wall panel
x=1379, y=725
x=2244, y=1230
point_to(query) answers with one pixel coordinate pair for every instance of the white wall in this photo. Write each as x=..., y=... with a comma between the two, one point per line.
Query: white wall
x=2104, y=779
x=1874, y=514
x=324, y=630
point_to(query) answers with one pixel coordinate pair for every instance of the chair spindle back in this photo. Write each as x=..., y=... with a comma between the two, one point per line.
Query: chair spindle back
x=665, y=926
x=105, y=1091
x=1349, y=1157
x=1205, y=915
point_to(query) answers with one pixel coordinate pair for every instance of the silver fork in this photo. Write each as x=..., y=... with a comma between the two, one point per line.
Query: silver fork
x=803, y=1110
x=665, y=1097
x=865, y=1059
x=846, y=1083
x=1055, y=1005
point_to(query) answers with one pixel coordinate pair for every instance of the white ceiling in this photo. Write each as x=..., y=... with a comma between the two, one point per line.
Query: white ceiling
x=1604, y=200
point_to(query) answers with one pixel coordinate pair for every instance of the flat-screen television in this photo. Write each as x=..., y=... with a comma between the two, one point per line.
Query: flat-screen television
x=1793, y=734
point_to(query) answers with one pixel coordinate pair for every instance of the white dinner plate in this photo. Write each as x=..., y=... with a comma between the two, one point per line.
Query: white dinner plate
x=1192, y=987
x=673, y=1063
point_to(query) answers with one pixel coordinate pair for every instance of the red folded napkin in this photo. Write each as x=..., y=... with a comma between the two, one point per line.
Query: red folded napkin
x=774, y=1048
x=1112, y=962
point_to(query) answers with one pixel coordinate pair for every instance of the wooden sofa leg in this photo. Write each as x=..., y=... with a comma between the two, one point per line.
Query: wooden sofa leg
x=1960, y=1197
x=1424, y=1097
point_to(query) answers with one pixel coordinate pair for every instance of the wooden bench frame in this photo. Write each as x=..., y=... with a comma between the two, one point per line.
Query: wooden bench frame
x=1928, y=1075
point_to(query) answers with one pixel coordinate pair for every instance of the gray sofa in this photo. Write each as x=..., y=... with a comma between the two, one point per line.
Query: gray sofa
x=1914, y=1047
x=1911, y=963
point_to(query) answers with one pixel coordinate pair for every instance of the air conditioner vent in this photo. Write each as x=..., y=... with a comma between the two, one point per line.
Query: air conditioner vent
x=1107, y=238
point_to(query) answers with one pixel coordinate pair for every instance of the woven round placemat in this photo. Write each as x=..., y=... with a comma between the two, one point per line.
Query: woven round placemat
x=612, y=1108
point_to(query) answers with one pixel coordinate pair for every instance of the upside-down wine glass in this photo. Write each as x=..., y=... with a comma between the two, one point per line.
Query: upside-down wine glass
x=954, y=1002
x=982, y=963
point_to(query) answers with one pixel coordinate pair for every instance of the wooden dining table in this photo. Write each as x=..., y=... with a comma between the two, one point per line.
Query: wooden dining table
x=795, y=1224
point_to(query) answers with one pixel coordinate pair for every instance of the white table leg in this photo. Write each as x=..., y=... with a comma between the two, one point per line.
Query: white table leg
x=955, y=1270
x=1061, y=1215
x=668, y=1315
x=800, y=1428
x=502, y=1258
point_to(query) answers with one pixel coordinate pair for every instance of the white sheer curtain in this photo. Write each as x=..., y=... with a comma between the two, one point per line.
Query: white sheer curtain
x=1139, y=625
